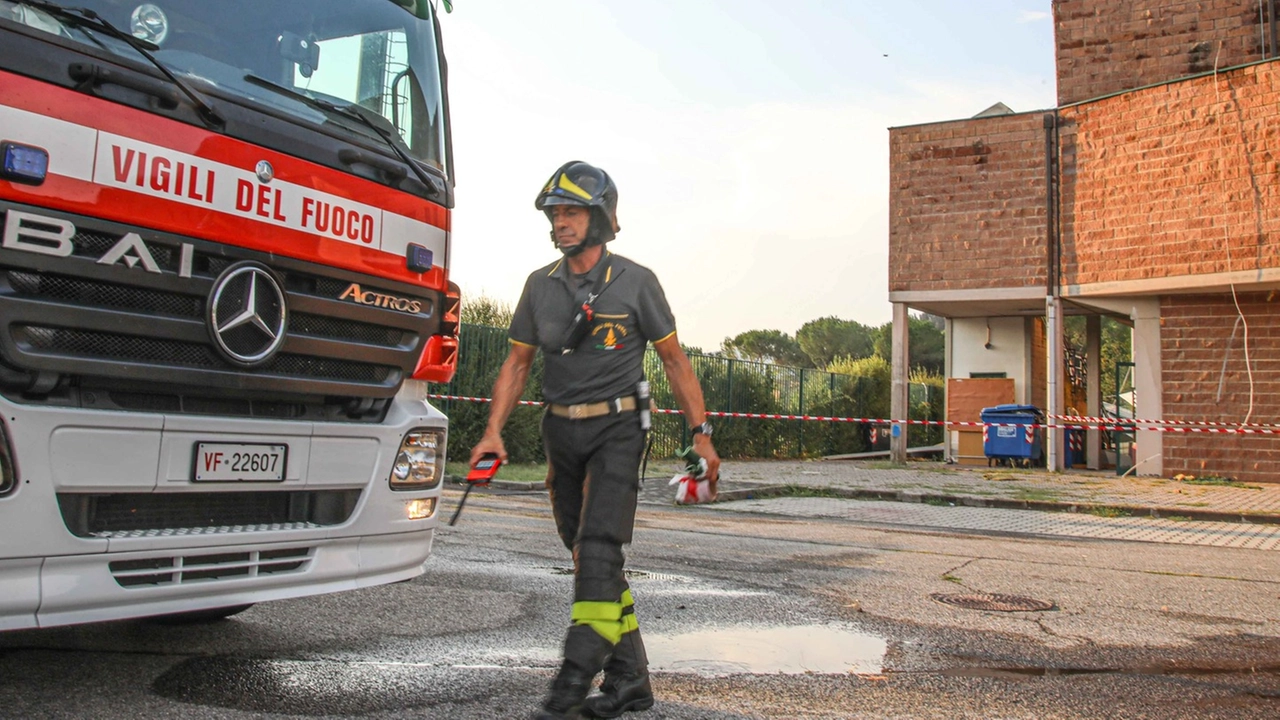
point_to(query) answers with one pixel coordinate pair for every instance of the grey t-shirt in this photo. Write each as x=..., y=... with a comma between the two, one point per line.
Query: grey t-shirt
x=631, y=312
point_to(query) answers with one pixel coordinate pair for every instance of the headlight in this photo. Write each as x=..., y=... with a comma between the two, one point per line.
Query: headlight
x=420, y=463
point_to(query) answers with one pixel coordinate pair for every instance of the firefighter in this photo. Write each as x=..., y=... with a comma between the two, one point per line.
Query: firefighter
x=591, y=314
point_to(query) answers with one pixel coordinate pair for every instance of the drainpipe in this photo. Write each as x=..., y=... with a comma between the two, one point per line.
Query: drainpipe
x=1050, y=207
x=1262, y=31
x=1053, y=303
x=1271, y=26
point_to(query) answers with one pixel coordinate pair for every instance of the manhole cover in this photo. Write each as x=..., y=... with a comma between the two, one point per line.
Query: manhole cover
x=993, y=601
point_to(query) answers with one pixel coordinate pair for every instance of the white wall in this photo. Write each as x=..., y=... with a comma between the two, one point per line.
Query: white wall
x=1009, y=353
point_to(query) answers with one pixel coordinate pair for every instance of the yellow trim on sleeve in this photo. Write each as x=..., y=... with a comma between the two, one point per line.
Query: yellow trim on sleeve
x=665, y=337
x=521, y=344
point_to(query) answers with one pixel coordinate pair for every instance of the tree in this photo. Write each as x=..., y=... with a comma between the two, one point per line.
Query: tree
x=826, y=339
x=770, y=346
x=926, y=344
x=484, y=310
x=1117, y=346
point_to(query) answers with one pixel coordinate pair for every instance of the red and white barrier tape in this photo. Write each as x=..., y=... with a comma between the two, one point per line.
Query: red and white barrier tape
x=1175, y=423
x=1125, y=425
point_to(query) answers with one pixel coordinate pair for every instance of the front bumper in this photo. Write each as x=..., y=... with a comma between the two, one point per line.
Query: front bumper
x=55, y=576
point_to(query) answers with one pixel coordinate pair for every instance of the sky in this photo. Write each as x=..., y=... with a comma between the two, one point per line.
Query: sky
x=748, y=139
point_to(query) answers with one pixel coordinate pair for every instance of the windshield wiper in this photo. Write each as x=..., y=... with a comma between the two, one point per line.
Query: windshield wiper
x=86, y=18
x=369, y=119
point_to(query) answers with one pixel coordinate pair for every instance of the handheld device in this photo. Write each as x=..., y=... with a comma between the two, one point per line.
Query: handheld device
x=583, y=317
x=578, y=327
x=484, y=469
x=642, y=402
x=481, y=473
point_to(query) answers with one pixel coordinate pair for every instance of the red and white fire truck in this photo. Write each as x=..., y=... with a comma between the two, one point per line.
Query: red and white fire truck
x=223, y=289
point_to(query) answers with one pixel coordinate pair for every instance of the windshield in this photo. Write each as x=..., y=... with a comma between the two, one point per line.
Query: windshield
x=379, y=54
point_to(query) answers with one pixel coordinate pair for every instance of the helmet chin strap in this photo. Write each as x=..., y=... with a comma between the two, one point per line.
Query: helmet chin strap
x=569, y=250
x=593, y=238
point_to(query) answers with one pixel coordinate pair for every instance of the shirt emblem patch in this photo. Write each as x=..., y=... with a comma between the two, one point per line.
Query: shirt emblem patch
x=613, y=334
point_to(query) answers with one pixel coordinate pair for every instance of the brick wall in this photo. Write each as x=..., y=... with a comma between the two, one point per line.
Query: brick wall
x=1106, y=46
x=1178, y=179
x=1205, y=378
x=967, y=204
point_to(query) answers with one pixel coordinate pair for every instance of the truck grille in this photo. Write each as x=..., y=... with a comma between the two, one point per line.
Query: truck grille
x=182, y=569
x=144, y=319
x=50, y=340
x=203, y=513
x=56, y=287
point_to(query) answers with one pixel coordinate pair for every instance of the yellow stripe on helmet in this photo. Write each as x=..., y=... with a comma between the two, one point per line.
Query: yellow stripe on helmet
x=569, y=185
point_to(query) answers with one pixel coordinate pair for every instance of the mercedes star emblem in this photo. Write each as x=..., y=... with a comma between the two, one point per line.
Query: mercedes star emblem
x=264, y=171
x=247, y=314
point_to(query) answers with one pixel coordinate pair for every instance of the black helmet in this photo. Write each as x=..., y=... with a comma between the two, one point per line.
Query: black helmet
x=579, y=183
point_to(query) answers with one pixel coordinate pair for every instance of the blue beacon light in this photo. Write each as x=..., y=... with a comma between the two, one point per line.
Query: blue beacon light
x=418, y=258
x=24, y=163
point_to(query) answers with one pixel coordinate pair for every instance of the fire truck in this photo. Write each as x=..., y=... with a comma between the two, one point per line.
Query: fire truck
x=224, y=287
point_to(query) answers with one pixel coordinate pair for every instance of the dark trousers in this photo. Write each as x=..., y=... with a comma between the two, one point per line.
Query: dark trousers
x=593, y=475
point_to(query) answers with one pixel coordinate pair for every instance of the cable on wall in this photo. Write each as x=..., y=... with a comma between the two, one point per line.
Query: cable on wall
x=1226, y=234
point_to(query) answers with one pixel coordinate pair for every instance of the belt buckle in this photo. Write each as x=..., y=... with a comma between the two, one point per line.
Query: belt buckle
x=577, y=412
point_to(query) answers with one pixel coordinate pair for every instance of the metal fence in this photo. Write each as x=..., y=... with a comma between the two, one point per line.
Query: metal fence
x=728, y=384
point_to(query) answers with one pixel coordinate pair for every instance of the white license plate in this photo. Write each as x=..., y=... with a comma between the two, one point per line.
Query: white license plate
x=235, y=462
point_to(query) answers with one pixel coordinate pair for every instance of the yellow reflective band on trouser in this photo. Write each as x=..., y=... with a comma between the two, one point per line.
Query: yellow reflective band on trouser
x=603, y=617
x=629, y=621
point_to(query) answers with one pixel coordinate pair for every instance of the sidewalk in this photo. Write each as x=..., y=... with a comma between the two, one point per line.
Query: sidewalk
x=1099, y=492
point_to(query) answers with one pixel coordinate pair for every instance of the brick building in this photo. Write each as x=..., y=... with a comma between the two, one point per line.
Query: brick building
x=1150, y=194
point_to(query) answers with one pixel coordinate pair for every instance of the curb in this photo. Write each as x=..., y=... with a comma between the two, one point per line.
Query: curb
x=770, y=491
x=763, y=492
x=498, y=484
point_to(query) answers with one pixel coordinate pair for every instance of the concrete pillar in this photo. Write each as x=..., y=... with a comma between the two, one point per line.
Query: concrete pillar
x=1147, y=381
x=1053, y=397
x=1093, y=389
x=950, y=438
x=898, y=401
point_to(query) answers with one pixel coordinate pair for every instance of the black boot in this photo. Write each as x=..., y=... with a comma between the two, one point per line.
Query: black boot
x=626, y=681
x=584, y=655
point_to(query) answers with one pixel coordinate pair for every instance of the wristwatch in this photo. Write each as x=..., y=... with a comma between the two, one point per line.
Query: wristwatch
x=704, y=428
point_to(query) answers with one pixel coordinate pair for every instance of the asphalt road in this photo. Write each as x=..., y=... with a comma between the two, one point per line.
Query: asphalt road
x=747, y=615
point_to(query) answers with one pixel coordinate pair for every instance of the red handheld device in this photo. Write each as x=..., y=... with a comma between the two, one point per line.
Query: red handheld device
x=484, y=469
x=481, y=473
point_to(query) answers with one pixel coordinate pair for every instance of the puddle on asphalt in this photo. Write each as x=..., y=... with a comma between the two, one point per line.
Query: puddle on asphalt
x=821, y=649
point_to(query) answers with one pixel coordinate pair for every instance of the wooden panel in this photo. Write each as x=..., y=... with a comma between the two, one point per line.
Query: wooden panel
x=969, y=451
x=966, y=397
